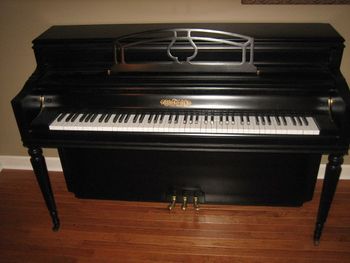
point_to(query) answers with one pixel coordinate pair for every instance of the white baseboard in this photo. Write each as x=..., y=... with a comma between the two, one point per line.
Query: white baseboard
x=23, y=163
x=54, y=164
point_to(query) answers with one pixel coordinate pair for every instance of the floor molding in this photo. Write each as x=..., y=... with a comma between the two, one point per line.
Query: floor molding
x=23, y=163
x=54, y=164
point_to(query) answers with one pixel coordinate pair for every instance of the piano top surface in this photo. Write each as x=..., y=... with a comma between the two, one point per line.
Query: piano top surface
x=260, y=31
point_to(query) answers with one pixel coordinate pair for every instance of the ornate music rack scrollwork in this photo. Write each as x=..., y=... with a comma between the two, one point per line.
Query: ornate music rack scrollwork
x=190, y=39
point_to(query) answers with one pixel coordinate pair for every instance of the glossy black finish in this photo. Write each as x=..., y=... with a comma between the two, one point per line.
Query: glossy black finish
x=40, y=170
x=331, y=179
x=297, y=72
x=223, y=178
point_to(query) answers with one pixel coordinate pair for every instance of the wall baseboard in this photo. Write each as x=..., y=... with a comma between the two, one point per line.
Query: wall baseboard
x=54, y=164
x=23, y=163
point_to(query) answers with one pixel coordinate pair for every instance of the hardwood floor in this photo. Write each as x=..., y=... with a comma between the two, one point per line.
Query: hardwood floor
x=114, y=231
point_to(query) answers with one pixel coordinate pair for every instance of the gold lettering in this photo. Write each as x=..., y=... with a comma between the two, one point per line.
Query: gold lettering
x=175, y=102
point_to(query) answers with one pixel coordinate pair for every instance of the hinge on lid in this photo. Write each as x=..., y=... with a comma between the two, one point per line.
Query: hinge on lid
x=42, y=102
x=330, y=105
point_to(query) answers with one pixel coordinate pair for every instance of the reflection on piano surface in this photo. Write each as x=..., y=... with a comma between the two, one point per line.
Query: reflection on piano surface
x=205, y=113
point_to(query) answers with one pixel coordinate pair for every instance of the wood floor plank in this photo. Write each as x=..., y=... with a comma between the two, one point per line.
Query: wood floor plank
x=119, y=231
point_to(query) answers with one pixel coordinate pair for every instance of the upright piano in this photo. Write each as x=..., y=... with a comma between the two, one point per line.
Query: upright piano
x=188, y=113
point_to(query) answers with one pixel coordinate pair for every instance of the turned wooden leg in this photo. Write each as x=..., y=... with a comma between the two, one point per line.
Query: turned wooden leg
x=39, y=166
x=330, y=182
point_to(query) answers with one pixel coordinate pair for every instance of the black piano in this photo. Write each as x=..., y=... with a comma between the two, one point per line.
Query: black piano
x=189, y=114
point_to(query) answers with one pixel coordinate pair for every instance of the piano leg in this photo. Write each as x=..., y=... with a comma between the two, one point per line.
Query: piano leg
x=39, y=165
x=330, y=182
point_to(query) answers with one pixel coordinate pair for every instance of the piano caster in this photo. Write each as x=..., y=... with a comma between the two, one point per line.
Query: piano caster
x=184, y=204
x=196, y=203
x=171, y=206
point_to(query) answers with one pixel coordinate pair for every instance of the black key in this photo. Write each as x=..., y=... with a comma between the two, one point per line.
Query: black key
x=176, y=118
x=134, y=120
x=141, y=118
x=278, y=121
x=227, y=119
x=161, y=118
x=127, y=117
x=212, y=119
x=305, y=121
x=262, y=119
x=221, y=119
x=268, y=120
x=299, y=121
x=191, y=118
x=185, y=119
x=88, y=117
x=294, y=122
x=247, y=120
x=155, y=120
x=93, y=117
x=242, y=120
x=233, y=119
x=70, y=116
x=116, y=118
x=102, y=117
x=150, y=118
x=197, y=119
x=257, y=122
x=83, y=117
x=61, y=117
x=284, y=120
x=206, y=119
x=74, y=117
x=108, y=117
x=170, y=118
x=121, y=118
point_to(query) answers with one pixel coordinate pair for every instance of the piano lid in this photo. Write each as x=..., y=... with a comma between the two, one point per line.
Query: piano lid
x=259, y=31
x=189, y=48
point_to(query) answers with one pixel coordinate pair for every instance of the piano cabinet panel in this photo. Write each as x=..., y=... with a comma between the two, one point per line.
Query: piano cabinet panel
x=223, y=178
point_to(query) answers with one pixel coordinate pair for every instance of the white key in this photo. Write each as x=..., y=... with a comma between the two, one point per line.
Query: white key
x=254, y=128
x=181, y=126
x=270, y=128
x=238, y=125
x=278, y=128
x=93, y=126
x=299, y=128
x=109, y=125
x=55, y=125
x=129, y=125
x=246, y=126
x=221, y=126
x=74, y=125
x=313, y=129
x=291, y=129
x=198, y=124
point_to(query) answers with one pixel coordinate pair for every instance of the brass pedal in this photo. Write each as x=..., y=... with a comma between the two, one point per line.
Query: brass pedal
x=196, y=203
x=184, y=204
x=171, y=206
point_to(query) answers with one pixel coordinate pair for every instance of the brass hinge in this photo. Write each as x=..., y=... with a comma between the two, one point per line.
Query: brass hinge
x=42, y=102
x=330, y=105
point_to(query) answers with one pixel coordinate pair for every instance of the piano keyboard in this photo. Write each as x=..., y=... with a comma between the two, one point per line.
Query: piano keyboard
x=186, y=123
